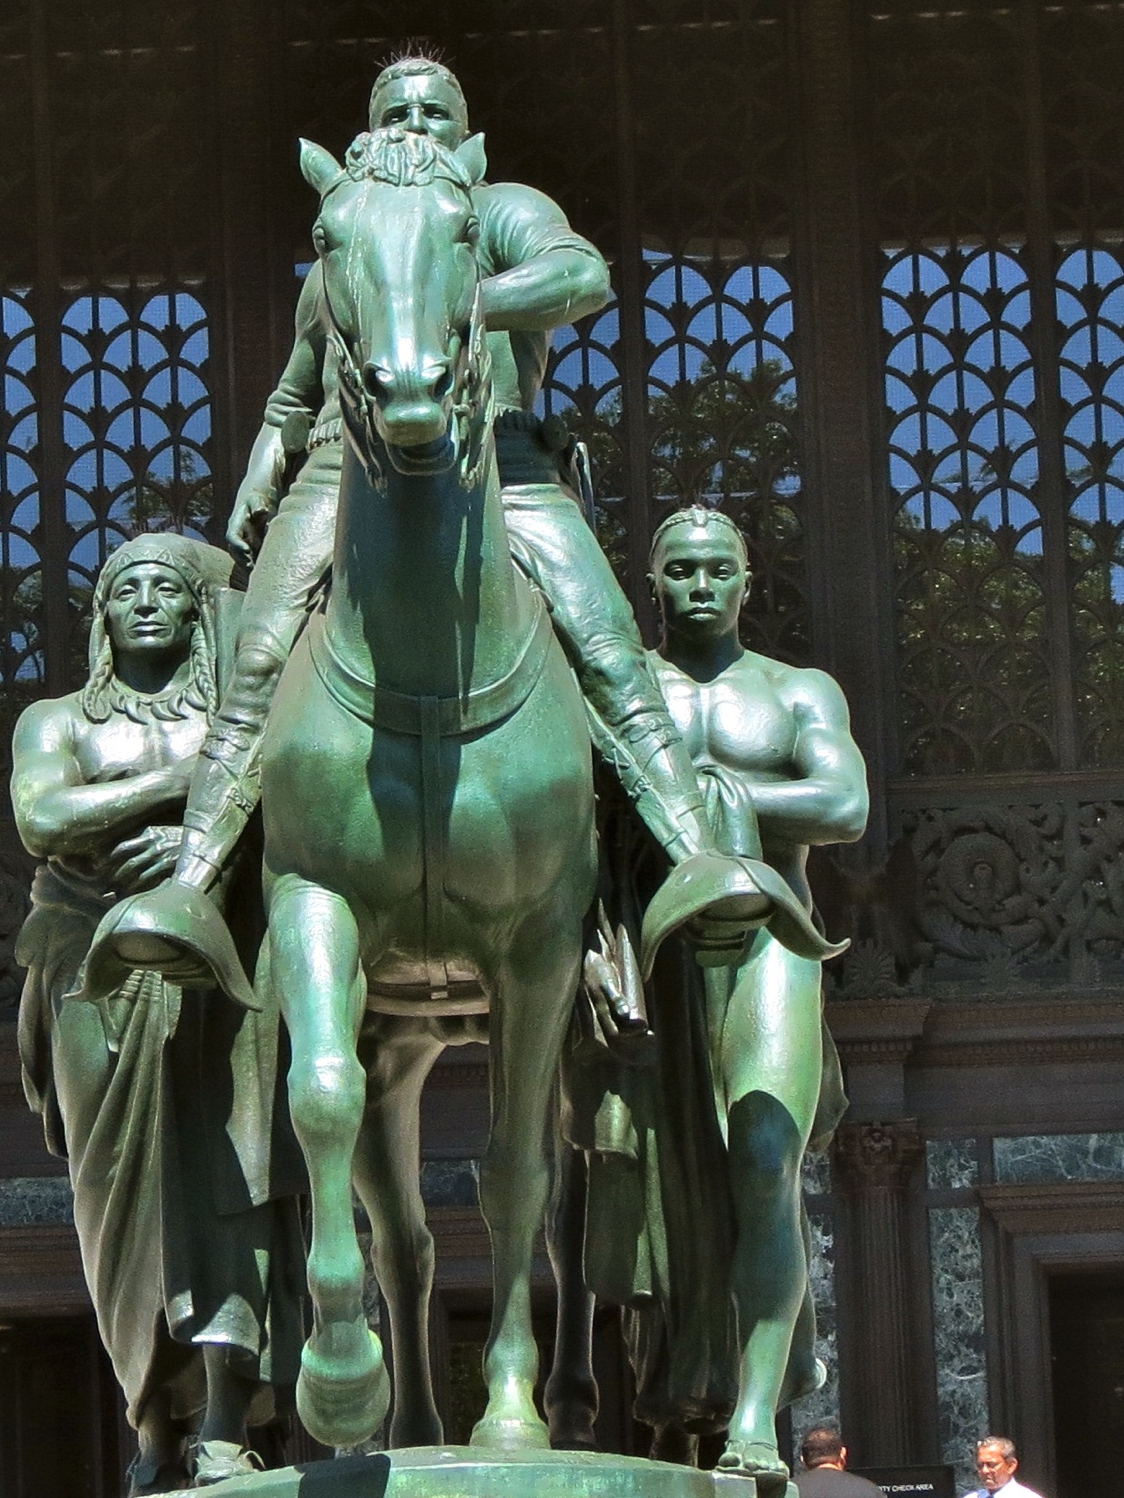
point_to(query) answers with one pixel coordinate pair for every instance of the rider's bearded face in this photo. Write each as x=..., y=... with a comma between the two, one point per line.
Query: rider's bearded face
x=423, y=103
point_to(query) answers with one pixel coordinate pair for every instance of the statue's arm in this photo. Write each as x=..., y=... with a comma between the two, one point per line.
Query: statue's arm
x=299, y=392
x=301, y=386
x=827, y=800
x=543, y=275
x=56, y=814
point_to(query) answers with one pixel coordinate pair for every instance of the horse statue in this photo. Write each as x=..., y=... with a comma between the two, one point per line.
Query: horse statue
x=428, y=809
x=428, y=804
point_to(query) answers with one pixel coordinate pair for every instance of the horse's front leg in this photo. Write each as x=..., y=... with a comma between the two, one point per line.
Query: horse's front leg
x=343, y=1390
x=387, y=1177
x=531, y=1001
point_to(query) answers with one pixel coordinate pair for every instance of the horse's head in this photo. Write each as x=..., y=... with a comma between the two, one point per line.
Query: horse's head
x=396, y=236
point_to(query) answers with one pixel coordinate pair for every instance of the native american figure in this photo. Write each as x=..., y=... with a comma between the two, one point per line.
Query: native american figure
x=159, y=1098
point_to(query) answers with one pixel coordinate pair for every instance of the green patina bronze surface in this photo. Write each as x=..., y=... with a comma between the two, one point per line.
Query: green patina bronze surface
x=152, y=1096
x=465, y=1472
x=694, y=1216
x=430, y=641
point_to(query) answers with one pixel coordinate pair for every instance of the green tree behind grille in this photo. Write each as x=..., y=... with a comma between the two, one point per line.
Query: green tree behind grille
x=724, y=439
x=973, y=647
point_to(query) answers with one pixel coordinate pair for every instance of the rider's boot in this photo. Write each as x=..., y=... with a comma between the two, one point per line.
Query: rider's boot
x=226, y=786
x=667, y=794
x=737, y=894
x=225, y=789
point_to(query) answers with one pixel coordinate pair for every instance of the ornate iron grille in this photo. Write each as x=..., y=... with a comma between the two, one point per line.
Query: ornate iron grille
x=867, y=276
x=104, y=255
x=1002, y=313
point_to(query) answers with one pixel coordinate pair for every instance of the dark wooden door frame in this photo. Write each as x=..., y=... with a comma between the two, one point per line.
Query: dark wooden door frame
x=1037, y=1231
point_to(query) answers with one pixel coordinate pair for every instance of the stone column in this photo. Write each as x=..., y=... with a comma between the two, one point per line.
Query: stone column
x=882, y=1299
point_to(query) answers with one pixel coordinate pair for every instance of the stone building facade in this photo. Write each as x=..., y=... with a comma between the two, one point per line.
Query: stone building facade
x=868, y=267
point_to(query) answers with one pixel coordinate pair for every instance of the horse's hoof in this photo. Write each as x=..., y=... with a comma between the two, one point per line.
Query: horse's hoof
x=343, y=1401
x=803, y=1376
x=575, y=1440
x=510, y=1435
x=415, y=1430
x=147, y=1477
x=759, y=1460
x=570, y=1421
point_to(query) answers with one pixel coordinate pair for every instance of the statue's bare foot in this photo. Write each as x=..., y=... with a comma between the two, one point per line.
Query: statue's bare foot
x=343, y=1395
x=757, y=1459
x=215, y=1461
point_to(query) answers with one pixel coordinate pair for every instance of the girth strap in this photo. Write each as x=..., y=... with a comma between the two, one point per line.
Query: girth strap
x=451, y=717
x=432, y=719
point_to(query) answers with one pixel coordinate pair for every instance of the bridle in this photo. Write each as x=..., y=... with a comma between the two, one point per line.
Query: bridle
x=473, y=406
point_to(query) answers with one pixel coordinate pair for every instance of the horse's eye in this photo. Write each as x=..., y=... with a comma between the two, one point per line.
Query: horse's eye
x=320, y=241
x=470, y=234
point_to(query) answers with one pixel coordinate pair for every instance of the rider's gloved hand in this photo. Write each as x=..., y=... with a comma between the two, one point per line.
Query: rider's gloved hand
x=258, y=495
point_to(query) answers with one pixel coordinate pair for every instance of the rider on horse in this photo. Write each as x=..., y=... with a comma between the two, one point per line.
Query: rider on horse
x=537, y=274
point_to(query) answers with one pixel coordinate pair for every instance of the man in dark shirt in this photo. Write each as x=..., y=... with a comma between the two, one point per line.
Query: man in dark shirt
x=825, y=1472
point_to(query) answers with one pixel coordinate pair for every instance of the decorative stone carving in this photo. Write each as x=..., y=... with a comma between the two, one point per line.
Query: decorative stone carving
x=875, y=1162
x=1004, y=889
x=877, y=907
x=876, y=1156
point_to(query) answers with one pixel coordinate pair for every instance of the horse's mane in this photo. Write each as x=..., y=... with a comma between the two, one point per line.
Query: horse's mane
x=402, y=158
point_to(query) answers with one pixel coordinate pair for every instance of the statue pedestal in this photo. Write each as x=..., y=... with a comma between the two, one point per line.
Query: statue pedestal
x=470, y=1472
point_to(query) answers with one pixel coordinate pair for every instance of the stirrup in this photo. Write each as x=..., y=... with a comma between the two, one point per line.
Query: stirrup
x=708, y=879
x=174, y=930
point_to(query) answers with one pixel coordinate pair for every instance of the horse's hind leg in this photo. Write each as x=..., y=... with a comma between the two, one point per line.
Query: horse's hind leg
x=570, y=1396
x=387, y=1164
x=530, y=1004
x=343, y=1389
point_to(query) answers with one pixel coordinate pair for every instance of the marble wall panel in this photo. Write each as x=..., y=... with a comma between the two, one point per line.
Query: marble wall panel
x=1060, y=1157
x=28, y=1201
x=450, y=1183
x=823, y=1405
x=951, y=1164
x=958, y=1333
x=816, y=1174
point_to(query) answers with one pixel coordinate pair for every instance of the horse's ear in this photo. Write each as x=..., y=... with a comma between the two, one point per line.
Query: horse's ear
x=472, y=156
x=320, y=167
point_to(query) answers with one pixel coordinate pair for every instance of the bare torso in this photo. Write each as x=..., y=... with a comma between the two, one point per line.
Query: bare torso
x=739, y=720
x=120, y=748
x=114, y=752
x=744, y=720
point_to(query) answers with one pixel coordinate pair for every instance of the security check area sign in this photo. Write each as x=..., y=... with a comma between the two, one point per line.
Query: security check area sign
x=911, y=1482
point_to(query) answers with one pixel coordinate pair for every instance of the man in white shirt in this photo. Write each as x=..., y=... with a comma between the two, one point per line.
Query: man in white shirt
x=996, y=1462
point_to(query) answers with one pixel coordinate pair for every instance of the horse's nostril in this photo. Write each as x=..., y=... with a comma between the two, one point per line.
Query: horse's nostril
x=443, y=384
x=375, y=384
